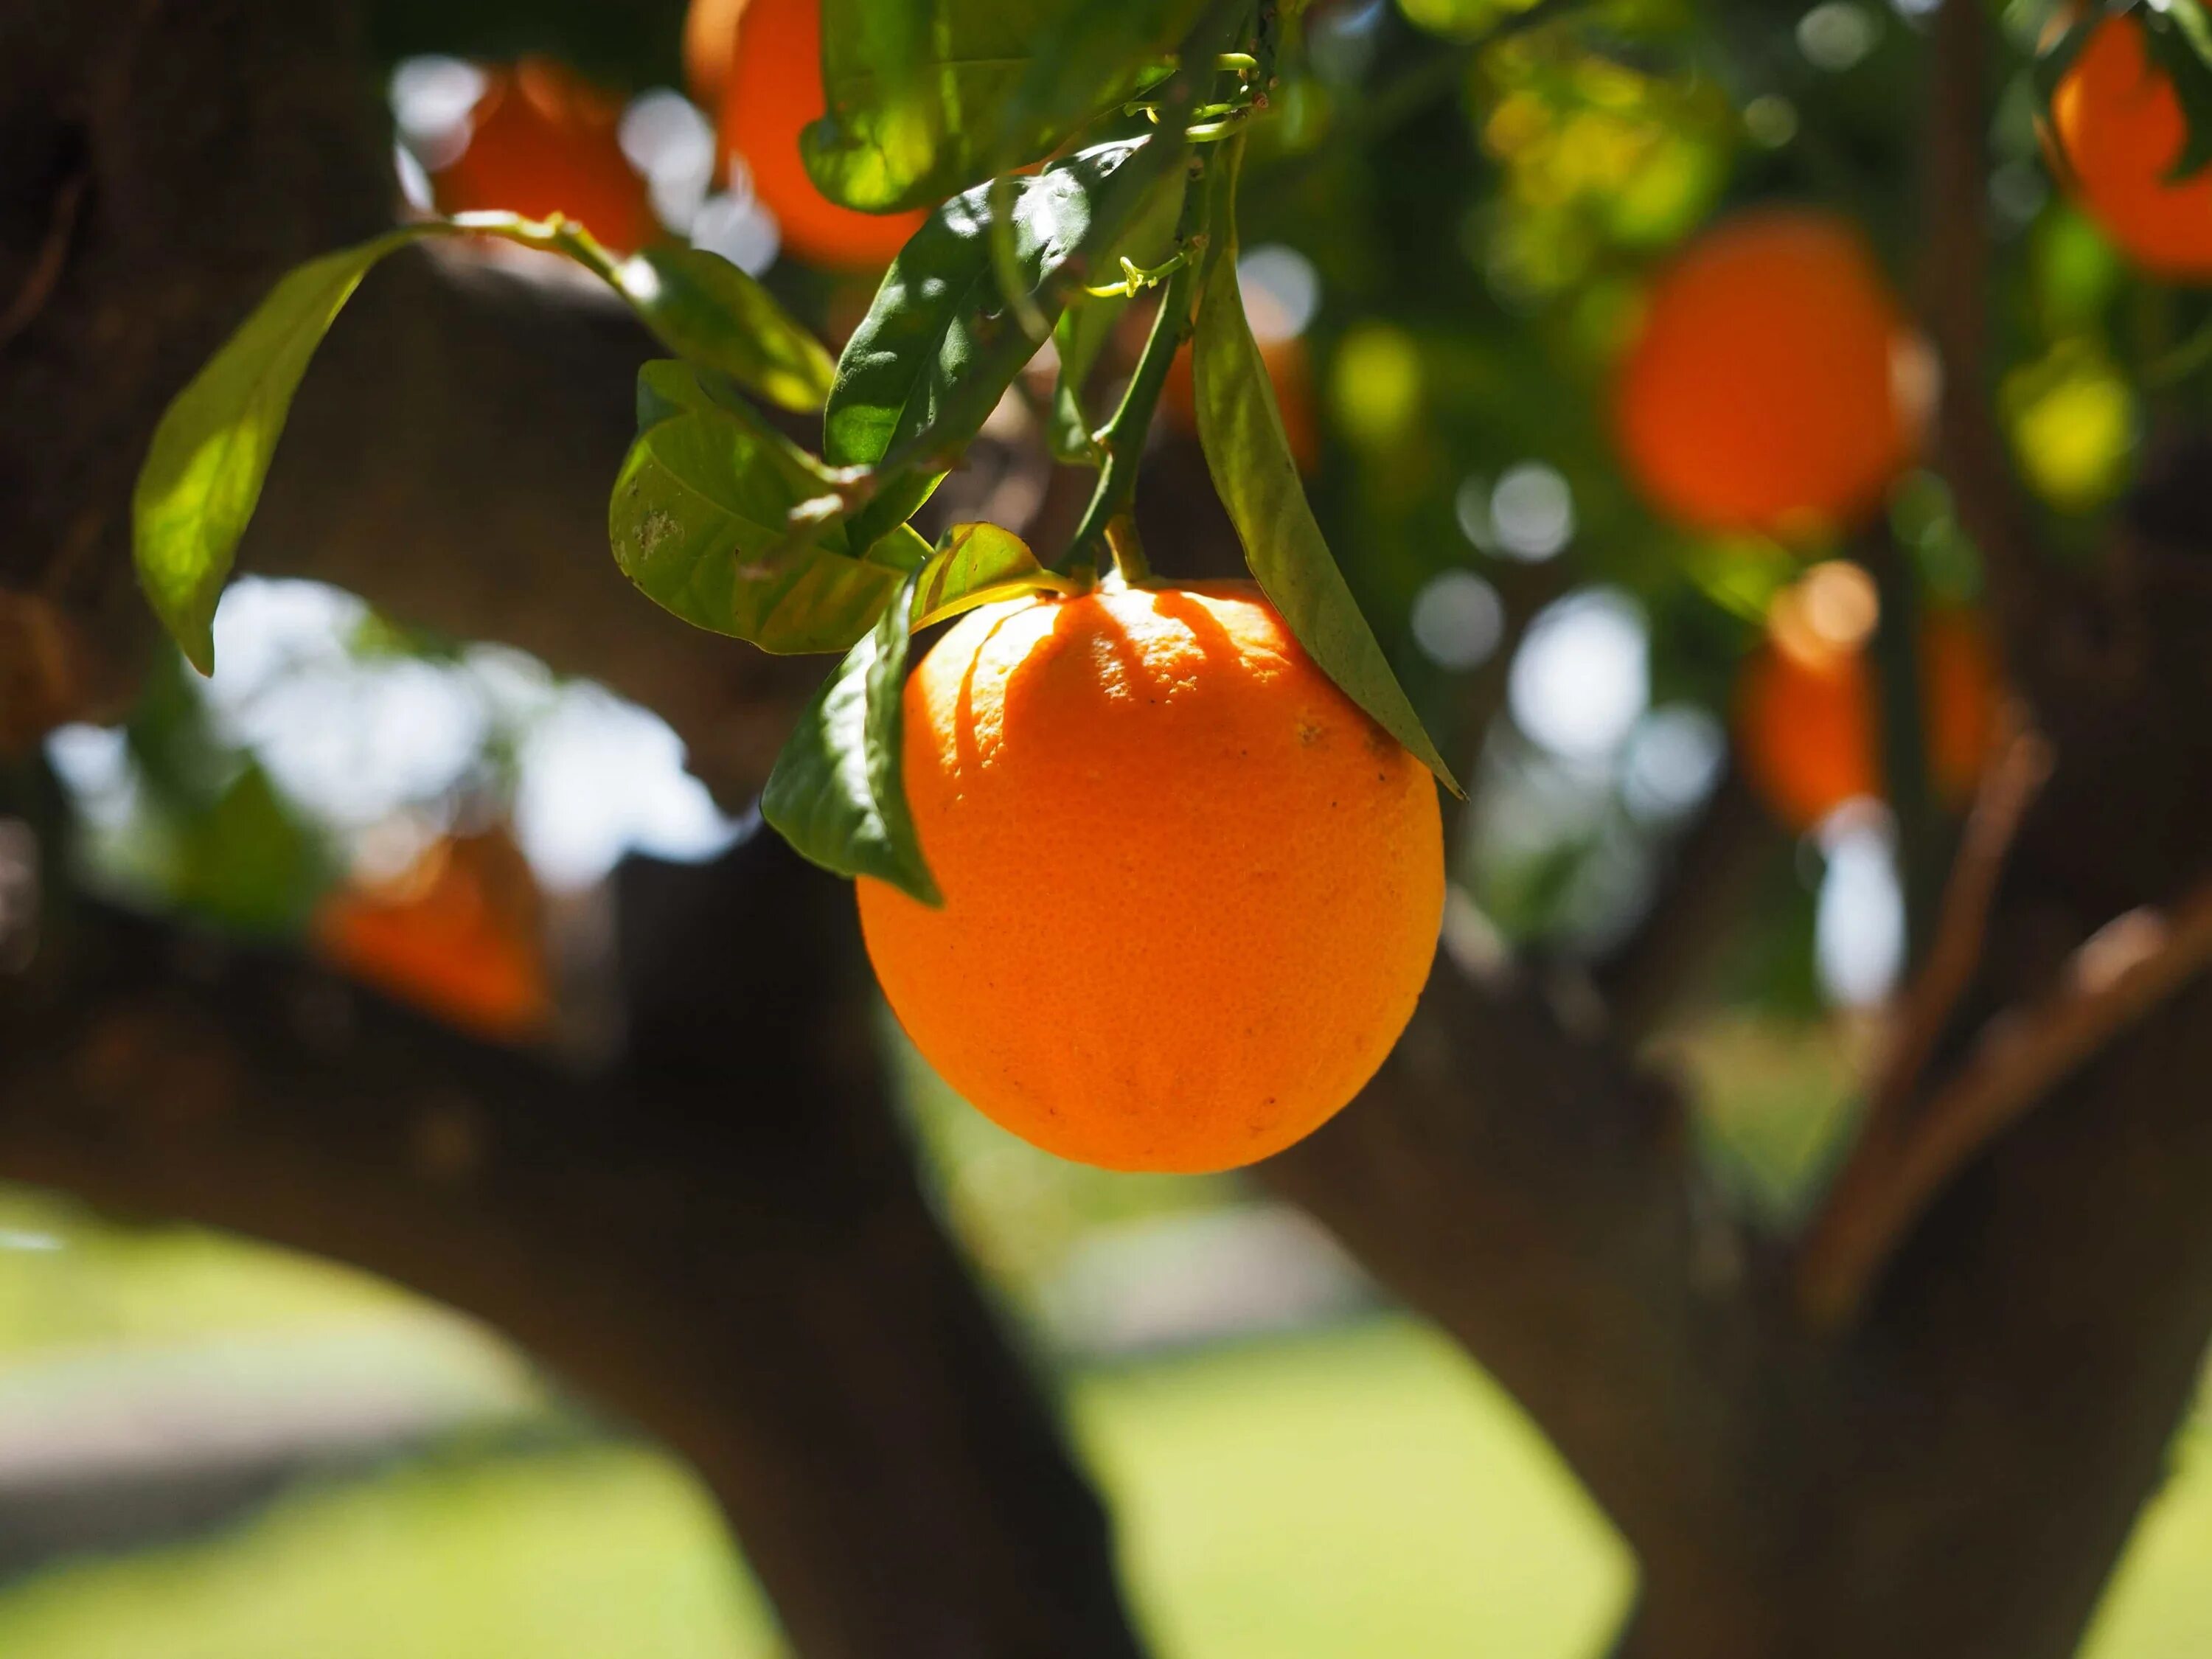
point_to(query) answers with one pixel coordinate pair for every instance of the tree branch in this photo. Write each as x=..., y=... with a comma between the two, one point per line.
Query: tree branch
x=1521, y=1186
x=722, y=1238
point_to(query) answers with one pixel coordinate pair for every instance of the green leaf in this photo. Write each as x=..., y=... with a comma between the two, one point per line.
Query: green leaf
x=247, y=861
x=202, y=475
x=837, y=793
x=1242, y=432
x=1086, y=327
x=706, y=310
x=975, y=564
x=700, y=520
x=938, y=349
x=926, y=98
x=1092, y=58
x=2178, y=39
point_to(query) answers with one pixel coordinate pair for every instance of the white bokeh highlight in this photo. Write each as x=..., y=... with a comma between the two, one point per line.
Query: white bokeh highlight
x=1582, y=677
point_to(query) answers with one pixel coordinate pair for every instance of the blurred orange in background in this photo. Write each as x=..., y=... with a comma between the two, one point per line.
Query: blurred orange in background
x=543, y=143
x=457, y=934
x=1773, y=387
x=1290, y=370
x=759, y=63
x=1807, y=705
x=2116, y=131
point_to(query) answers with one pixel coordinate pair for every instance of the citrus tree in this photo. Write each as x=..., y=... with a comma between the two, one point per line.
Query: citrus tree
x=1866, y=346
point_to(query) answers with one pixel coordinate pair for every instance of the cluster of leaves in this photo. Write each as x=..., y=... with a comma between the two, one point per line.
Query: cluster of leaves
x=1129, y=117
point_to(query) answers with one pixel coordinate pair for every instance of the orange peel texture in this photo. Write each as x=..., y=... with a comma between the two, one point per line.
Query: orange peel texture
x=1192, y=892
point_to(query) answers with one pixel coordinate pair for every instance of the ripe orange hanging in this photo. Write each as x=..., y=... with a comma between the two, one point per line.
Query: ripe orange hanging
x=1808, y=715
x=2117, y=130
x=1773, y=387
x=455, y=934
x=769, y=88
x=543, y=143
x=1191, y=891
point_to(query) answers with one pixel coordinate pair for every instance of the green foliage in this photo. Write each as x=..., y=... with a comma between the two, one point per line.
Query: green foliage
x=975, y=564
x=938, y=346
x=202, y=475
x=2178, y=37
x=836, y=795
x=210, y=454
x=929, y=97
x=246, y=862
x=1087, y=326
x=700, y=520
x=1250, y=455
x=709, y=313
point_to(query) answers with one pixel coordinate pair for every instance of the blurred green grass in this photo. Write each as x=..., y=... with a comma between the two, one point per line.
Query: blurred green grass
x=1359, y=1490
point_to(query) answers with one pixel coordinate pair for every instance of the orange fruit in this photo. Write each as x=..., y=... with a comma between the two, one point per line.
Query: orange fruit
x=710, y=39
x=2116, y=130
x=771, y=78
x=1191, y=891
x=1807, y=713
x=543, y=143
x=1773, y=387
x=455, y=934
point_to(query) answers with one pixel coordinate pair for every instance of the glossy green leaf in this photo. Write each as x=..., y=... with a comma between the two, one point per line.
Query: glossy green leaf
x=938, y=347
x=666, y=388
x=1240, y=429
x=1093, y=57
x=926, y=98
x=977, y=564
x=706, y=310
x=700, y=520
x=837, y=793
x=202, y=475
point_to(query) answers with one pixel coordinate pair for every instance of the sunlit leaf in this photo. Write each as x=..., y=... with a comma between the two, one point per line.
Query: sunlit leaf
x=975, y=564
x=700, y=520
x=928, y=97
x=706, y=310
x=202, y=476
x=938, y=347
x=1249, y=457
x=837, y=793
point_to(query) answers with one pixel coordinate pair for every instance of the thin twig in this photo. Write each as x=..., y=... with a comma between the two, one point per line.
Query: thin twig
x=2017, y=775
x=2118, y=976
x=1121, y=441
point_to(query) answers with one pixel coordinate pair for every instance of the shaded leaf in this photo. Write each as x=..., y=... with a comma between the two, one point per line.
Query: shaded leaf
x=938, y=349
x=706, y=310
x=975, y=564
x=699, y=520
x=837, y=792
x=1247, y=452
x=202, y=475
x=2178, y=39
